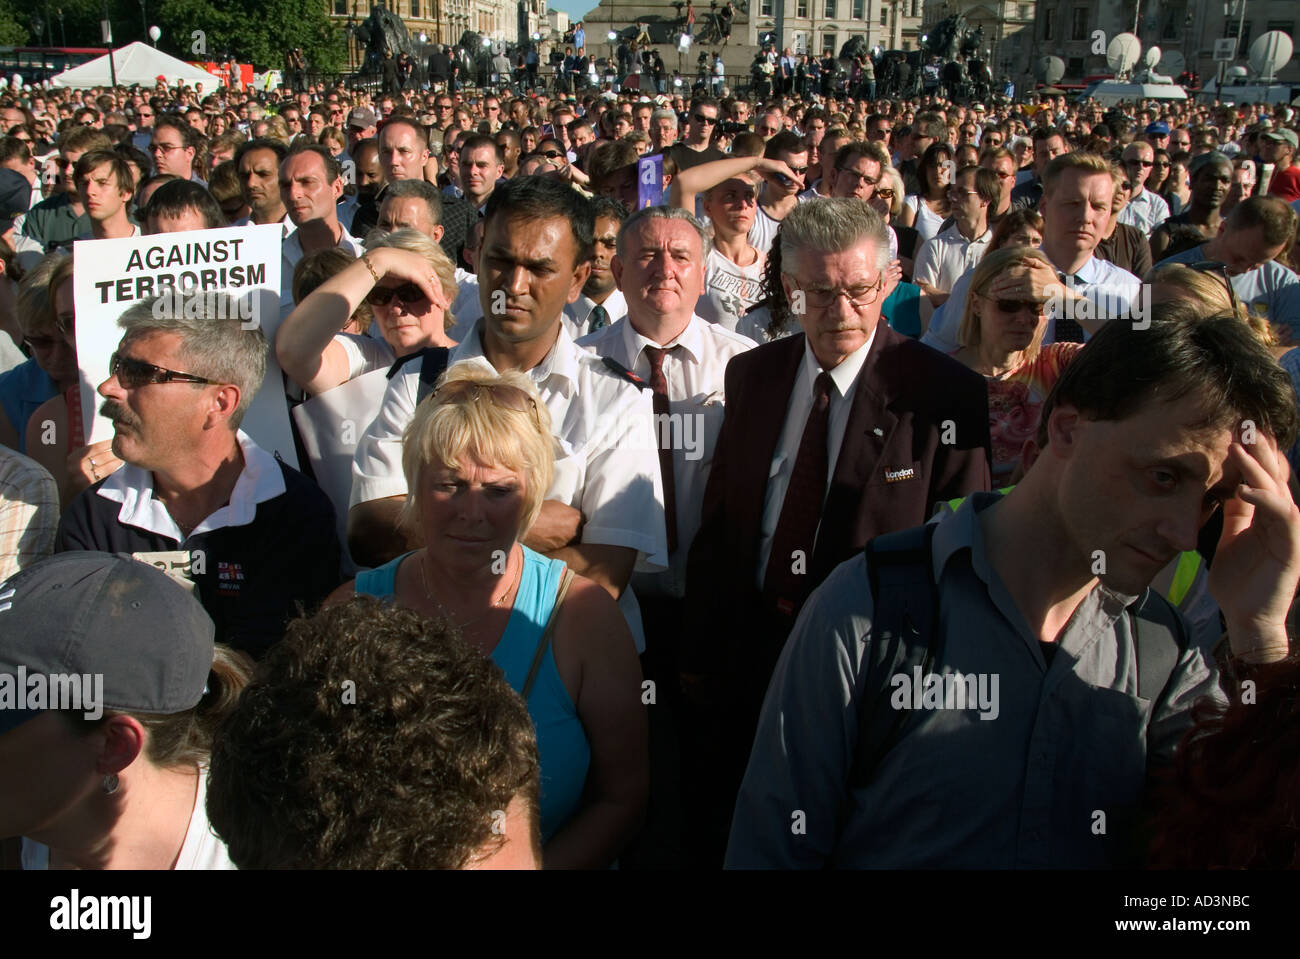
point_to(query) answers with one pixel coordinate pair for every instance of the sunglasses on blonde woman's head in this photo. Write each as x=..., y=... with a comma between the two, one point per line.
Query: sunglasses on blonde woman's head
x=1221, y=271
x=500, y=394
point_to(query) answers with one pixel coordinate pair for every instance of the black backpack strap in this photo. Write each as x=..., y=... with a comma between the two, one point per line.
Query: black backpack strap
x=904, y=635
x=433, y=363
x=1160, y=639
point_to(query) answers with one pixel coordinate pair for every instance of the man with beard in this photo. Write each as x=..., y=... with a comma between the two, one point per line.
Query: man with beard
x=601, y=303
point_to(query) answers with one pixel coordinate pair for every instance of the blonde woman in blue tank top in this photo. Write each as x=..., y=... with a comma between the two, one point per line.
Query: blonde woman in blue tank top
x=478, y=459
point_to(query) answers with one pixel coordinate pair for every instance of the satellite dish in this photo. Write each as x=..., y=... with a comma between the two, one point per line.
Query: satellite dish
x=1172, y=63
x=1237, y=73
x=1049, y=70
x=1152, y=58
x=1122, y=54
x=1269, y=52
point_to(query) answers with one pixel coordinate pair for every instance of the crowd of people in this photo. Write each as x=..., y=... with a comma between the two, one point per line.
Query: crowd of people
x=859, y=483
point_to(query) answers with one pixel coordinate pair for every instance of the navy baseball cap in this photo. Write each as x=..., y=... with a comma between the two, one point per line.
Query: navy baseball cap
x=1159, y=128
x=137, y=637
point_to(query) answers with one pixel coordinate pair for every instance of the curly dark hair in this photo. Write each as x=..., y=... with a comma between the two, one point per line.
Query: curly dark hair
x=371, y=738
x=1232, y=799
x=773, y=293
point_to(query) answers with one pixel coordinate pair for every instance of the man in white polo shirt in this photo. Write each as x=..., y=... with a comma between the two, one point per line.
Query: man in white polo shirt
x=946, y=256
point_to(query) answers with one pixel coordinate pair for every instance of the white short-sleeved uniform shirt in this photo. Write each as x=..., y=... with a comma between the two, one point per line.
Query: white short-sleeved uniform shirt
x=466, y=308
x=202, y=848
x=729, y=290
x=606, y=464
x=696, y=396
x=365, y=353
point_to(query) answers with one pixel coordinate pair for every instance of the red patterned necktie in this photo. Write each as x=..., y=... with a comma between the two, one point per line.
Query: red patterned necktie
x=659, y=391
x=796, y=530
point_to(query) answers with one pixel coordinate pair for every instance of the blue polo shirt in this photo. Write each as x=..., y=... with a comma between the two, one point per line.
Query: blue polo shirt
x=22, y=390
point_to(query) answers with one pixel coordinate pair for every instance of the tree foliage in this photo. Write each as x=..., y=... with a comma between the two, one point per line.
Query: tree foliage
x=253, y=31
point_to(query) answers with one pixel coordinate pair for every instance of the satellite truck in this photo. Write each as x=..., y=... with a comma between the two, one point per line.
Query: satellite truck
x=1152, y=82
x=1269, y=53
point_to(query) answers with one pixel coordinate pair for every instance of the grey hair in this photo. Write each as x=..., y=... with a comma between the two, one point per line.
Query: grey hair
x=831, y=226
x=665, y=213
x=664, y=115
x=216, y=343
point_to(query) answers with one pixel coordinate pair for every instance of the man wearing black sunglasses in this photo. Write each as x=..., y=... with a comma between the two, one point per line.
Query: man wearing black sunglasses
x=694, y=147
x=196, y=494
x=1145, y=210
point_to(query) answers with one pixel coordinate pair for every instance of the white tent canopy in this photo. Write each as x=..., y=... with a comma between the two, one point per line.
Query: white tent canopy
x=135, y=63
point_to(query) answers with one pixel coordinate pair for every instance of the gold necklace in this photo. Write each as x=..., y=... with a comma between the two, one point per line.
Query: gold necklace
x=496, y=604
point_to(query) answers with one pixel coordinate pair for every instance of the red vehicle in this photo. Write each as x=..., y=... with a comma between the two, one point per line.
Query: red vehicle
x=36, y=64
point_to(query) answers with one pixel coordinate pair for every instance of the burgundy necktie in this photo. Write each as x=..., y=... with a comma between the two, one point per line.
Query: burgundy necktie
x=659, y=391
x=796, y=530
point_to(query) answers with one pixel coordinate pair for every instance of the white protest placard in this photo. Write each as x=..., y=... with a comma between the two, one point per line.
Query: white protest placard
x=112, y=275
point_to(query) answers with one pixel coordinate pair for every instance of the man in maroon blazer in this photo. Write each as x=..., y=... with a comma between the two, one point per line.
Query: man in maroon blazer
x=831, y=438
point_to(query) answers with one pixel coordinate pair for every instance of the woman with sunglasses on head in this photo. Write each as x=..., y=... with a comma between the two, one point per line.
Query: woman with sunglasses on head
x=478, y=457
x=1002, y=340
x=409, y=284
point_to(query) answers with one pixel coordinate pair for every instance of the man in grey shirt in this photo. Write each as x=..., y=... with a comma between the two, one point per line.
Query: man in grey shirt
x=1254, y=233
x=1147, y=432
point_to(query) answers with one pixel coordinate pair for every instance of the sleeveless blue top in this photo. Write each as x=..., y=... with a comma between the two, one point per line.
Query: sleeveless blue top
x=562, y=748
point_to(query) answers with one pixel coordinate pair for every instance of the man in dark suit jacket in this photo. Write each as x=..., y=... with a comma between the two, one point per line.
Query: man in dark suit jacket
x=904, y=429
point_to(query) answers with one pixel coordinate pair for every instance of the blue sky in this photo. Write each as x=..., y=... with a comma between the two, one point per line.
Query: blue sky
x=574, y=8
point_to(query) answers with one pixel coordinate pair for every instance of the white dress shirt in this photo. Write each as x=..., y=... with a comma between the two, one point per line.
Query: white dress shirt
x=291, y=253
x=845, y=377
x=1146, y=211
x=606, y=464
x=1112, y=291
x=577, y=315
x=696, y=397
x=943, y=259
x=466, y=309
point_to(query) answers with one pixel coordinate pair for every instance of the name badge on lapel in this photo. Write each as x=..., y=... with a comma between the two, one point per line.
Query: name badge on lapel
x=899, y=474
